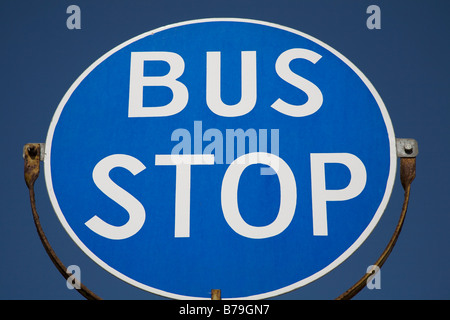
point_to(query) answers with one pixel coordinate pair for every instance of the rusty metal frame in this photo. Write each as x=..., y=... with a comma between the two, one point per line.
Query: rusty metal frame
x=32, y=157
x=407, y=150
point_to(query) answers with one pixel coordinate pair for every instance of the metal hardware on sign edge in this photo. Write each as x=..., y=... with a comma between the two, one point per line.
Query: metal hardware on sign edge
x=407, y=150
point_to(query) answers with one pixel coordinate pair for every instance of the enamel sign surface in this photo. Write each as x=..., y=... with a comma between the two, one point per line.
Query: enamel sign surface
x=223, y=154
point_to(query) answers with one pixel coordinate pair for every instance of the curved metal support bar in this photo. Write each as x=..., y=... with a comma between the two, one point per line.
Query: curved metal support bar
x=32, y=156
x=407, y=175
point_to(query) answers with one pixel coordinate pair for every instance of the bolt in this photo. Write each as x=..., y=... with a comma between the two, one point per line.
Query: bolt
x=408, y=148
x=32, y=151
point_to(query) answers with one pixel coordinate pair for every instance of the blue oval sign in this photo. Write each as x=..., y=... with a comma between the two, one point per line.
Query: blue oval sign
x=220, y=154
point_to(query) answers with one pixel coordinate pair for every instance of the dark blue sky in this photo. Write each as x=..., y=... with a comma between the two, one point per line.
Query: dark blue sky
x=406, y=60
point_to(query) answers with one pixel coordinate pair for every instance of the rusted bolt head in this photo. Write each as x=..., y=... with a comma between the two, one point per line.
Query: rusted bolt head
x=32, y=151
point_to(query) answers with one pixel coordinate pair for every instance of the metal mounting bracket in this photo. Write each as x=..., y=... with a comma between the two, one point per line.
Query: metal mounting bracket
x=407, y=148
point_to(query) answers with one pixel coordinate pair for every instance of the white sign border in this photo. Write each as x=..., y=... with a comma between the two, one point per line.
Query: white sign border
x=294, y=286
